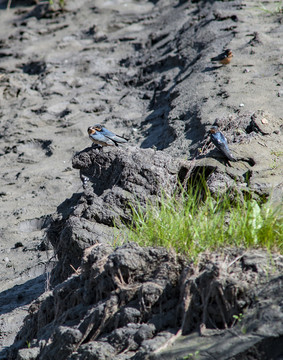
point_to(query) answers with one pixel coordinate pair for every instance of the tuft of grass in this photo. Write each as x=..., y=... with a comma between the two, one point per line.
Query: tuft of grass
x=60, y=2
x=278, y=9
x=193, y=222
x=192, y=356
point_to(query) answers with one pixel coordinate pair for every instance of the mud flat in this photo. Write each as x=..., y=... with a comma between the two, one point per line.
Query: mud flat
x=143, y=69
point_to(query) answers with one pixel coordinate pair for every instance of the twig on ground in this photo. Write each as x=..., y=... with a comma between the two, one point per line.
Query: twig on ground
x=9, y=4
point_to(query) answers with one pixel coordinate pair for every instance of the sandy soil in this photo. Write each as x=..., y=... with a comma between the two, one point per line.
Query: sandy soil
x=143, y=69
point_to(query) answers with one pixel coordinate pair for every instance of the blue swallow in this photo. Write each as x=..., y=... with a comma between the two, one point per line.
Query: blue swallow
x=101, y=136
x=220, y=142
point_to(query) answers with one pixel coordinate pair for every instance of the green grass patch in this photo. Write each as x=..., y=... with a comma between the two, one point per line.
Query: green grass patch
x=275, y=8
x=193, y=222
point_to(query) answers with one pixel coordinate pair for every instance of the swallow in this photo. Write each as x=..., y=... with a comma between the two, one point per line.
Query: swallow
x=219, y=140
x=224, y=58
x=101, y=136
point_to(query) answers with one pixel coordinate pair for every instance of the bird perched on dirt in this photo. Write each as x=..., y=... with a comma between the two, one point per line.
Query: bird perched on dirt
x=219, y=140
x=224, y=58
x=101, y=136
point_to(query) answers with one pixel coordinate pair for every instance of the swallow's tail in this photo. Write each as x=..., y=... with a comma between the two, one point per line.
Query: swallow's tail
x=226, y=151
x=229, y=155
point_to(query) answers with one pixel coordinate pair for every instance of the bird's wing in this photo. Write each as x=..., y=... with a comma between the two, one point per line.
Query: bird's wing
x=218, y=57
x=226, y=151
x=219, y=139
x=220, y=142
x=101, y=138
x=110, y=135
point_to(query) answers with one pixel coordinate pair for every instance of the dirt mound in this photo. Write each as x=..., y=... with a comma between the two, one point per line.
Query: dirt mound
x=131, y=302
x=113, y=179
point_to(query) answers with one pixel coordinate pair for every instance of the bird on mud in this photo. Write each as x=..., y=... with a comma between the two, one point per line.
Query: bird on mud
x=103, y=137
x=224, y=58
x=219, y=140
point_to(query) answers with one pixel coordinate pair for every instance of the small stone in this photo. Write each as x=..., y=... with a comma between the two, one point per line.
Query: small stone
x=28, y=354
x=18, y=244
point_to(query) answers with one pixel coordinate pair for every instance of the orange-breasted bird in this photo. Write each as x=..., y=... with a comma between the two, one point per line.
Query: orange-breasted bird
x=224, y=58
x=101, y=136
